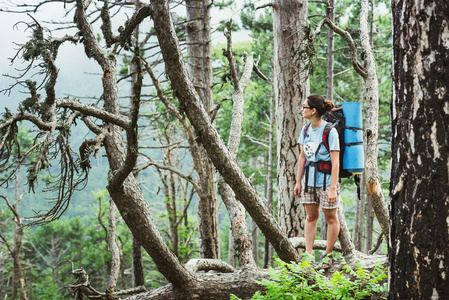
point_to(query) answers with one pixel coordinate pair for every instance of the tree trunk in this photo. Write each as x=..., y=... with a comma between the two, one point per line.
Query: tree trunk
x=419, y=252
x=359, y=222
x=212, y=287
x=2, y=274
x=347, y=246
x=170, y=191
x=237, y=215
x=231, y=250
x=115, y=252
x=200, y=72
x=371, y=125
x=208, y=135
x=330, y=52
x=138, y=274
x=268, y=249
x=291, y=89
x=369, y=225
x=137, y=259
x=122, y=187
x=323, y=226
x=255, y=242
x=18, y=278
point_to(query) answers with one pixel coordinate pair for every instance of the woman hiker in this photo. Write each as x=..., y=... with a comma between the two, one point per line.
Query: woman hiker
x=318, y=189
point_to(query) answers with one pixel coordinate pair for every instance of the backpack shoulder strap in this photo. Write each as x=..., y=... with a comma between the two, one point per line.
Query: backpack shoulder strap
x=325, y=138
x=326, y=132
x=305, y=130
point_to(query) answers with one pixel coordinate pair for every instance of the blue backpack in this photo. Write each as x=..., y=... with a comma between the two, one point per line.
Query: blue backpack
x=335, y=119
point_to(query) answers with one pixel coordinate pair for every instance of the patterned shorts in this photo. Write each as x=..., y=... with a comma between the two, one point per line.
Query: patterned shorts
x=321, y=197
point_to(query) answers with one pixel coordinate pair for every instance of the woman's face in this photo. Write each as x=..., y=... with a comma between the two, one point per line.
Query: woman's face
x=307, y=111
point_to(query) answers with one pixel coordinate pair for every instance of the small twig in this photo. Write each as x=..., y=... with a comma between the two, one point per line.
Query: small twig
x=217, y=107
x=173, y=170
x=265, y=5
x=378, y=243
x=261, y=75
x=229, y=55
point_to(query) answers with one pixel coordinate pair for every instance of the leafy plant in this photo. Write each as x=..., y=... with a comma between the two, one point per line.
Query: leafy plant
x=47, y=292
x=301, y=281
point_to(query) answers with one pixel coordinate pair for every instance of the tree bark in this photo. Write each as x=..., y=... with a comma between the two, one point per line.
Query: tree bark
x=212, y=287
x=138, y=274
x=2, y=275
x=18, y=278
x=371, y=126
x=208, y=135
x=348, y=249
x=200, y=71
x=291, y=89
x=330, y=9
x=369, y=225
x=300, y=242
x=237, y=215
x=137, y=259
x=255, y=242
x=115, y=252
x=123, y=187
x=268, y=249
x=419, y=252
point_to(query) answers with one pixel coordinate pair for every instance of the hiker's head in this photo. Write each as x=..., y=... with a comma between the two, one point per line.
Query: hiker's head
x=321, y=105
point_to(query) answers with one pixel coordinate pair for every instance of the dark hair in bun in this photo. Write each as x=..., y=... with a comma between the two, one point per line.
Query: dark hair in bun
x=320, y=104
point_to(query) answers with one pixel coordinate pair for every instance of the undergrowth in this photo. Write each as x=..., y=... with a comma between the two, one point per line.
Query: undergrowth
x=300, y=281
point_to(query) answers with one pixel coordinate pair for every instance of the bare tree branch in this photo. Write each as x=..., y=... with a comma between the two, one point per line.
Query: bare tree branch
x=195, y=265
x=378, y=243
x=94, y=112
x=10, y=248
x=230, y=56
x=175, y=171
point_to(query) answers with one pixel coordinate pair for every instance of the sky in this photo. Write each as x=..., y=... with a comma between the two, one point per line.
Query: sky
x=75, y=69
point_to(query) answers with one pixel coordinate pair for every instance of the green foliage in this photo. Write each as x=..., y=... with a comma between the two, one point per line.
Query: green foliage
x=300, y=281
x=222, y=4
x=46, y=292
x=224, y=26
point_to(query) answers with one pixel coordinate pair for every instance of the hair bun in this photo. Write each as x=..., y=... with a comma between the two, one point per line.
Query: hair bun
x=329, y=105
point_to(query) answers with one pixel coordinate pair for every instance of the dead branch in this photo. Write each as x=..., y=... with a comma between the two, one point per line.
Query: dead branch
x=265, y=5
x=378, y=243
x=133, y=22
x=195, y=265
x=82, y=286
x=300, y=243
x=175, y=171
x=92, y=111
x=347, y=37
x=8, y=245
x=259, y=73
x=230, y=56
x=90, y=146
x=194, y=147
x=115, y=251
x=214, y=112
